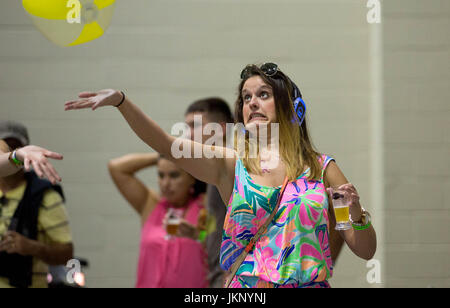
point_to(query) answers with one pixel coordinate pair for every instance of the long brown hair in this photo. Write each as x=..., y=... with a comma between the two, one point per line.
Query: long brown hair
x=296, y=148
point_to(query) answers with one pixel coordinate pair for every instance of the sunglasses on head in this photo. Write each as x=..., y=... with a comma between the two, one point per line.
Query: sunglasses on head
x=269, y=69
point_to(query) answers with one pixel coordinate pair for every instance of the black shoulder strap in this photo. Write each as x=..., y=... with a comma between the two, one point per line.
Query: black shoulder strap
x=27, y=212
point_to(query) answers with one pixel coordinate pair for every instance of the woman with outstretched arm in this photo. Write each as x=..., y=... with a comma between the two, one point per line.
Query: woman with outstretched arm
x=276, y=231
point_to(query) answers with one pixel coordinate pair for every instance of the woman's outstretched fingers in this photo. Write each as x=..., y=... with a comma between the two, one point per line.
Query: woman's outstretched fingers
x=69, y=105
x=81, y=104
x=86, y=94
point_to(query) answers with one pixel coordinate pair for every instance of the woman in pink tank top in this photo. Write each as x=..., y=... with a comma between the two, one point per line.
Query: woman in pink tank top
x=177, y=261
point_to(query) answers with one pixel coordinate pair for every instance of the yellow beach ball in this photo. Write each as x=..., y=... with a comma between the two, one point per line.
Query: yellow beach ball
x=70, y=22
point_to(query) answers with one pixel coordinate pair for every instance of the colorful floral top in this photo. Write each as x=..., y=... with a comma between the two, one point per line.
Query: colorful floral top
x=295, y=249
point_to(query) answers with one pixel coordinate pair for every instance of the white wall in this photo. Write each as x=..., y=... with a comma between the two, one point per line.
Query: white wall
x=417, y=143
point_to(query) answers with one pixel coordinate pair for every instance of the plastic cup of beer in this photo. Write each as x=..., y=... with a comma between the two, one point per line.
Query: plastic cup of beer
x=341, y=211
x=173, y=221
x=172, y=225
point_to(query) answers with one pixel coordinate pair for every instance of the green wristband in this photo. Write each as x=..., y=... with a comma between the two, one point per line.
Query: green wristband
x=202, y=235
x=360, y=228
x=15, y=160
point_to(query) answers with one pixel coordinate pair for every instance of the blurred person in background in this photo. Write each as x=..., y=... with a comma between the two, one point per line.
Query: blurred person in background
x=211, y=110
x=167, y=259
x=34, y=226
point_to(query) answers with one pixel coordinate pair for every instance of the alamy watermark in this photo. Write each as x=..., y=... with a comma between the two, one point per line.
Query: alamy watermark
x=74, y=268
x=74, y=14
x=374, y=14
x=231, y=298
x=374, y=274
x=243, y=139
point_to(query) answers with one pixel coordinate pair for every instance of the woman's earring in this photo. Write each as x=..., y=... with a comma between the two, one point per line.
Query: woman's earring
x=192, y=190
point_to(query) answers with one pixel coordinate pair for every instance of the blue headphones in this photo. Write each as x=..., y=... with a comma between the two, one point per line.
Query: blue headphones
x=299, y=104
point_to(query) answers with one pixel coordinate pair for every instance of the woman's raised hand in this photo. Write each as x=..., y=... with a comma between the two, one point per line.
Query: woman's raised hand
x=94, y=100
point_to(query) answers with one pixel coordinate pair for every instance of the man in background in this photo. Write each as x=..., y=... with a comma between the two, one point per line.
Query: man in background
x=34, y=226
x=212, y=110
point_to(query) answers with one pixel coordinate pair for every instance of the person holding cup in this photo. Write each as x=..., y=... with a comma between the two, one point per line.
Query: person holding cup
x=171, y=251
x=278, y=220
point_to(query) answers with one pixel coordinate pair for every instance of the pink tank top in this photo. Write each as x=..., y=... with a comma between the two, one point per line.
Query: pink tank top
x=175, y=262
